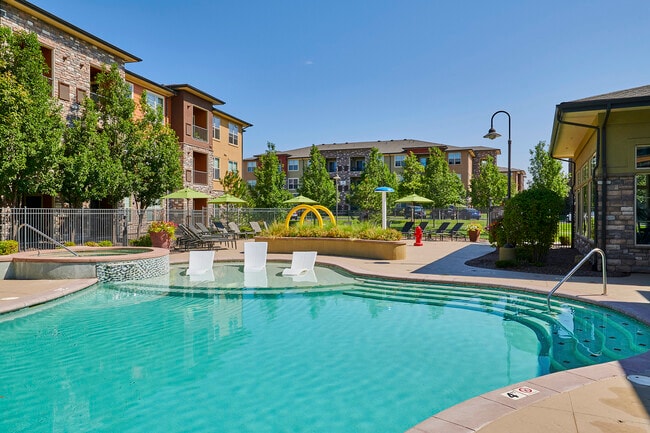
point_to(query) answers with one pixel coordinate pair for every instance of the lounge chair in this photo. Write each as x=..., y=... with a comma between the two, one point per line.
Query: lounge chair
x=201, y=240
x=200, y=266
x=255, y=264
x=255, y=256
x=234, y=228
x=453, y=232
x=256, y=227
x=406, y=230
x=437, y=232
x=228, y=238
x=301, y=263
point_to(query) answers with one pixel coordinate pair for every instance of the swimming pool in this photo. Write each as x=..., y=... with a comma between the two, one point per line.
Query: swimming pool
x=337, y=354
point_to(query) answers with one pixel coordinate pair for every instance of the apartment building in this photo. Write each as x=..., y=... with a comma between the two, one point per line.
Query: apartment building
x=74, y=58
x=348, y=160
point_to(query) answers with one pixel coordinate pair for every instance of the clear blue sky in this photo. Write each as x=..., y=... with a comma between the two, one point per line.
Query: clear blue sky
x=308, y=72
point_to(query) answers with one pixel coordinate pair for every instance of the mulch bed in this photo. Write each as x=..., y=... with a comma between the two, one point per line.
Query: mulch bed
x=560, y=261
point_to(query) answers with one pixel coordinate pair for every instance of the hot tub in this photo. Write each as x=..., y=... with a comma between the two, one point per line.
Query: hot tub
x=103, y=263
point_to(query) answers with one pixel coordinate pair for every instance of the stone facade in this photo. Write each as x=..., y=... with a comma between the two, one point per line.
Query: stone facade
x=623, y=254
x=71, y=58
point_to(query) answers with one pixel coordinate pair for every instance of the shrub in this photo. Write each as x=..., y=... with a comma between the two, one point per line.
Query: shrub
x=505, y=264
x=91, y=244
x=496, y=233
x=530, y=221
x=105, y=244
x=69, y=244
x=356, y=231
x=142, y=241
x=8, y=247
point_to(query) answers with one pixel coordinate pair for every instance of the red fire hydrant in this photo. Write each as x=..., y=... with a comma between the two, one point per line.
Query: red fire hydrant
x=418, y=237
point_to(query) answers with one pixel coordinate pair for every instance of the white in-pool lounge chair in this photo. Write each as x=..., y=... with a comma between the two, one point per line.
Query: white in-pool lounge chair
x=255, y=256
x=200, y=266
x=255, y=264
x=302, y=262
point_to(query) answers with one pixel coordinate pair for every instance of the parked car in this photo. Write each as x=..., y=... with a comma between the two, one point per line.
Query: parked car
x=466, y=213
x=415, y=212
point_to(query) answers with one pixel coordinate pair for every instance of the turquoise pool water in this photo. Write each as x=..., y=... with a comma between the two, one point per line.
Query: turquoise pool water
x=332, y=355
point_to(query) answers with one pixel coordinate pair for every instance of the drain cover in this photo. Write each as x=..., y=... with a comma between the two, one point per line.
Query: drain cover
x=641, y=380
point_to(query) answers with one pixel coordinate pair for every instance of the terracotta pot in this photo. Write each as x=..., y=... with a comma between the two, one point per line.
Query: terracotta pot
x=474, y=235
x=160, y=240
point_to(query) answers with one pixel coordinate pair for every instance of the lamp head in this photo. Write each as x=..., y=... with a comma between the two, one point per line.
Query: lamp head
x=492, y=134
x=336, y=177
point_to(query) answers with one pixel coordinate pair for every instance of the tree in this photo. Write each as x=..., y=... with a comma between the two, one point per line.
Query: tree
x=546, y=172
x=316, y=182
x=490, y=186
x=154, y=159
x=31, y=126
x=442, y=185
x=412, y=177
x=376, y=173
x=233, y=184
x=87, y=166
x=116, y=109
x=269, y=190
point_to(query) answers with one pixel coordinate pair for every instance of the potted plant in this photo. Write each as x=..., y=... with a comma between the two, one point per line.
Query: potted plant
x=162, y=233
x=474, y=231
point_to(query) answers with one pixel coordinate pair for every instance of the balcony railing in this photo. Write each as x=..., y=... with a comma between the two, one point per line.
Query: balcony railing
x=200, y=177
x=199, y=133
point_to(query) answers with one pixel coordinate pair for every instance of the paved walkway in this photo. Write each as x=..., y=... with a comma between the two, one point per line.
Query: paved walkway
x=592, y=399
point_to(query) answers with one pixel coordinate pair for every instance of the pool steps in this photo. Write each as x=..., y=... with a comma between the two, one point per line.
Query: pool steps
x=592, y=341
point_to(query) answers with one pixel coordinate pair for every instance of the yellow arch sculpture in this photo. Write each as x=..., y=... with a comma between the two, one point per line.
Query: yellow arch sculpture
x=310, y=209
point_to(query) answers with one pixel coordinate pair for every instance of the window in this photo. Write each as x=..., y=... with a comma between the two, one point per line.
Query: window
x=233, y=134
x=642, y=195
x=64, y=91
x=585, y=200
x=217, y=171
x=293, y=165
x=643, y=157
x=251, y=166
x=252, y=183
x=399, y=160
x=232, y=166
x=155, y=101
x=216, y=128
x=331, y=165
x=357, y=164
x=423, y=160
x=80, y=96
x=292, y=183
x=453, y=158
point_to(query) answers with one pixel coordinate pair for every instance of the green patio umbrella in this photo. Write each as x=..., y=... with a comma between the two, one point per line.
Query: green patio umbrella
x=300, y=199
x=227, y=199
x=187, y=194
x=413, y=198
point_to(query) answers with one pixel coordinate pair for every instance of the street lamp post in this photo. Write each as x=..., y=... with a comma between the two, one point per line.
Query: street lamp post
x=337, y=179
x=492, y=134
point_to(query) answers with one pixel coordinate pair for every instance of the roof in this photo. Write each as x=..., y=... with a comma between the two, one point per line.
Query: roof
x=145, y=82
x=385, y=147
x=244, y=123
x=57, y=22
x=196, y=92
x=575, y=121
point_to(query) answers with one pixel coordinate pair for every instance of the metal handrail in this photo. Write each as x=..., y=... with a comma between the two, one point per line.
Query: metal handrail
x=37, y=231
x=604, y=266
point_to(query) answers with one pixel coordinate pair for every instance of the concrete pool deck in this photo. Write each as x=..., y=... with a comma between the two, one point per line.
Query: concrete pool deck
x=591, y=399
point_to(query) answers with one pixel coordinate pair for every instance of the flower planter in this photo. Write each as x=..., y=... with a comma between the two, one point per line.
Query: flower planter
x=473, y=235
x=369, y=249
x=160, y=240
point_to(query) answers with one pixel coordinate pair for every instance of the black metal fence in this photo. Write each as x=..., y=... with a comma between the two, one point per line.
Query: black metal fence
x=119, y=226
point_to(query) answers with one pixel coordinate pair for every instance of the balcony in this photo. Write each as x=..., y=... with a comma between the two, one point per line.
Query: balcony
x=200, y=177
x=199, y=133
